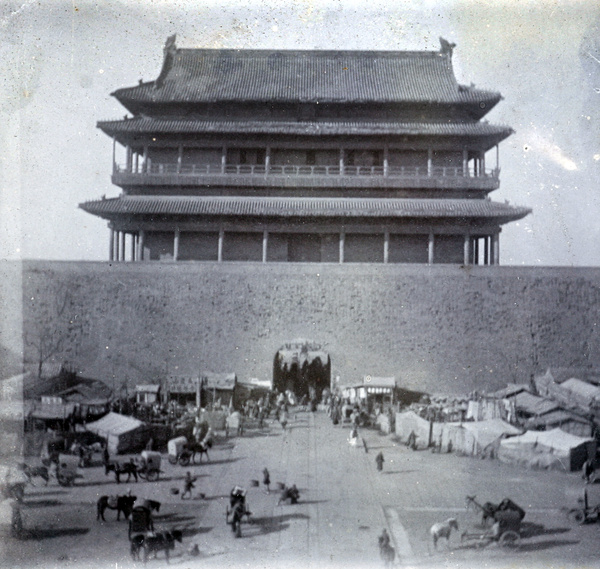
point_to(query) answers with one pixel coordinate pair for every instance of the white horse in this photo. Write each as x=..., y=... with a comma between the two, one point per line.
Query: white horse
x=443, y=529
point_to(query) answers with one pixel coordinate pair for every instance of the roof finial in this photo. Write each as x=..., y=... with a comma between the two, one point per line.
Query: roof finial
x=169, y=51
x=446, y=47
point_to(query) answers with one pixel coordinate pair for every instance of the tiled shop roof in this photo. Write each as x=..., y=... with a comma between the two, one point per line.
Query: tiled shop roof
x=212, y=75
x=145, y=125
x=290, y=207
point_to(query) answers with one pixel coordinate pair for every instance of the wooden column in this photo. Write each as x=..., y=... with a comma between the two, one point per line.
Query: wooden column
x=386, y=247
x=176, y=244
x=223, y=159
x=497, y=158
x=137, y=162
x=132, y=247
x=467, y=244
x=386, y=160
x=341, y=161
x=429, y=161
x=179, y=158
x=145, y=162
x=496, y=249
x=482, y=163
x=342, y=241
x=465, y=162
x=486, y=248
x=430, y=249
x=267, y=160
x=114, y=154
x=265, y=243
x=142, y=244
x=220, y=245
x=111, y=246
x=129, y=159
x=476, y=251
x=122, y=246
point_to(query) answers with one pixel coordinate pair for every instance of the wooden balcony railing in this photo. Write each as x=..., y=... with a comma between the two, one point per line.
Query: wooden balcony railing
x=308, y=171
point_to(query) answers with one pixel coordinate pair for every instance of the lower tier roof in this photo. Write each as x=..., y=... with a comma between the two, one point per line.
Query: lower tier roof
x=299, y=207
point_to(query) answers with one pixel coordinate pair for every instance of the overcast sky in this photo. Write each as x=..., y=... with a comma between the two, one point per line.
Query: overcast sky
x=59, y=62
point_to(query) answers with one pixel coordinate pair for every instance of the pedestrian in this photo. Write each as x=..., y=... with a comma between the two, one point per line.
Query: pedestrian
x=267, y=480
x=188, y=485
x=379, y=460
x=105, y=455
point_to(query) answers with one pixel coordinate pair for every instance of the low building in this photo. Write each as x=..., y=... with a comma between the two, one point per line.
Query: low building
x=220, y=390
x=373, y=391
x=147, y=394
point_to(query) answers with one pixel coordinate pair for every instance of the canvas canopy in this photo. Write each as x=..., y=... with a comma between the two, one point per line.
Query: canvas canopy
x=122, y=433
x=476, y=438
x=548, y=449
x=470, y=438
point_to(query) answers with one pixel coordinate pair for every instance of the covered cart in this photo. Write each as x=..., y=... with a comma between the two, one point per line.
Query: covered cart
x=179, y=451
x=149, y=467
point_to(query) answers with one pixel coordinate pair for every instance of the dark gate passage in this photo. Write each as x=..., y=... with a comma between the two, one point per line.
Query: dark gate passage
x=301, y=366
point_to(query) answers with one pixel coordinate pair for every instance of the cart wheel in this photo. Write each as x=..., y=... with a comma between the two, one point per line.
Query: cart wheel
x=172, y=459
x=184, y=459
x=577, y=516
x=510, y=539
x=152, y=475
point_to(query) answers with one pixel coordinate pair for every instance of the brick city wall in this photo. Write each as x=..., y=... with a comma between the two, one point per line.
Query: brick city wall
x=437, y=328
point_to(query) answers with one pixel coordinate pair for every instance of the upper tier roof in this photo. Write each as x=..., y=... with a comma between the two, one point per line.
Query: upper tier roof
x=210, y=75
x=149, y=126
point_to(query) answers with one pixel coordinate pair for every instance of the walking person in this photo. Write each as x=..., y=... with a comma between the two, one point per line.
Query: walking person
x=267, y=480
x=188, y=485
x=379, y=460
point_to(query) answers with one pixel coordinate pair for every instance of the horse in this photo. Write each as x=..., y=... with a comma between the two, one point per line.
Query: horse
x=31, y=472
x=129, y=468
x=201, y=448
x=120, y=503
x=443, y=529
x=163, y=541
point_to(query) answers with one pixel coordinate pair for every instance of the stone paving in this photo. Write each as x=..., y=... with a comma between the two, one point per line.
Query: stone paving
x=345, y=503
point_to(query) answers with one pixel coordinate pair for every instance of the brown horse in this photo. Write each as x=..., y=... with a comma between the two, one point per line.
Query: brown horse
x=120, y=503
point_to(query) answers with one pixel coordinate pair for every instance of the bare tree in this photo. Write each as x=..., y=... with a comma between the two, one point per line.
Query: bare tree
x=54, y=325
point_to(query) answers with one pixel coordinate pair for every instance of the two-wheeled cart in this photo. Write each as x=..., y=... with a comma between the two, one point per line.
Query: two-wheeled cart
x=506, y=531
x=179, y=451
x=149, y=466
x=585, y=513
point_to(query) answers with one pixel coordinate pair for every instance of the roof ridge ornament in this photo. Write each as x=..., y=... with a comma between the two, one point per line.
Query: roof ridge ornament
x=446, y=47
x=169, y=55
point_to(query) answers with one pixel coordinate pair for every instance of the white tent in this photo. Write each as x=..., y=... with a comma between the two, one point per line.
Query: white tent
x=548, y=449
x=474, y=438
x=123, y=434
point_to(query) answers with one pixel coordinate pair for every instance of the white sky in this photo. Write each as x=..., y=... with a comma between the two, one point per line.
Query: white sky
x=59, y=62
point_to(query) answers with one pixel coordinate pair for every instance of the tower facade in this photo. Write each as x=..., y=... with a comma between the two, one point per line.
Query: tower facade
x=305, y=156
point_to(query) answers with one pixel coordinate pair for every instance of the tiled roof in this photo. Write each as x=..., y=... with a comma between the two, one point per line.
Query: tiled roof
x=188, y=126
x=209, y=75
x=290, y=207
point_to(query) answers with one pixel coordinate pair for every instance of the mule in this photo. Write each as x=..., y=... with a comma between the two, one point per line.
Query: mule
x=154, y=543
x=129, y=468
x=122, y=504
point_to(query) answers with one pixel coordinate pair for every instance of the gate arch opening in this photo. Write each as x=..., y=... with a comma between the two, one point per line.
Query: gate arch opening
x=303, y=367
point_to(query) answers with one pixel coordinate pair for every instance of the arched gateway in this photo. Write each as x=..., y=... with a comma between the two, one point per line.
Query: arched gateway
x=303, y=367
